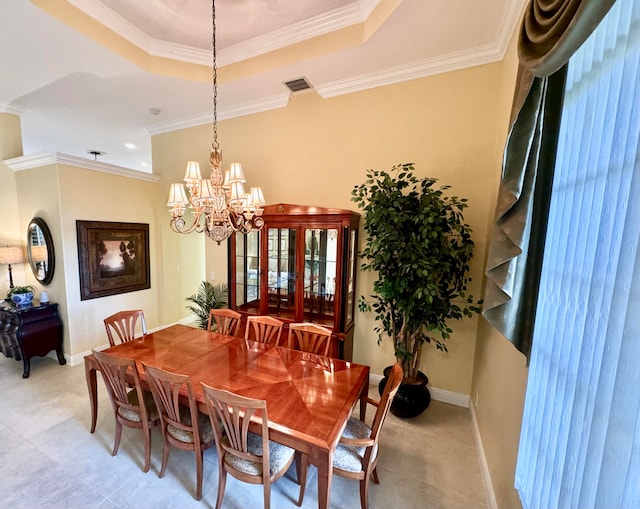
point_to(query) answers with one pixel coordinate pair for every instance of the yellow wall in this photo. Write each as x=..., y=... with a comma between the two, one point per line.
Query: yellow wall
x=500, y=373
x=95, y=196
x=10, y=232
x=315, y=150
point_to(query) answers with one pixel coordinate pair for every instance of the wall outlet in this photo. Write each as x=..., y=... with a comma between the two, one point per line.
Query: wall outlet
x=475, y=400
x=212, y=276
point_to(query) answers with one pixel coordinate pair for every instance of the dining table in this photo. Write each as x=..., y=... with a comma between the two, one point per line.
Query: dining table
x=309, y=397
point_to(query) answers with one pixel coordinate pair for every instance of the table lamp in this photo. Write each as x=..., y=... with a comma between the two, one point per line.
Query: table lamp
x=9, y=255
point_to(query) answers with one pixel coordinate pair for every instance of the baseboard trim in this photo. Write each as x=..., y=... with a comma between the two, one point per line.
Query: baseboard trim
x=484, y=466
x=442, y=395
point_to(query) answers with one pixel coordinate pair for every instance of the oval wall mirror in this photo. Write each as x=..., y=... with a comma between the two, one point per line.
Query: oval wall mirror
x=40, y=250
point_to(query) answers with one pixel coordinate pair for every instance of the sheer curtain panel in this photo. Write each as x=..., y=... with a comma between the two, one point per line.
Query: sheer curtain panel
x=580, y=441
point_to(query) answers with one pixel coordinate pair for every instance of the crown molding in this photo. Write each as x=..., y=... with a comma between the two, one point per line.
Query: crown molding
x=113, y=21
x=487, y=54
x=14, y=110
x=180, y=52
x=239, y=110
x=411, y=71
x=325, y=23
x=293, y=34
x=46, y=158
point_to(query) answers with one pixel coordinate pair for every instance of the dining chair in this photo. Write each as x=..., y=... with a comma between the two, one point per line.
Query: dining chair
x=356, y=455
x=309, y=337
x=182, y=426
x=124, y=323
x=262, y=328
x=247, y=456
x=132, y=406
x=227, y=321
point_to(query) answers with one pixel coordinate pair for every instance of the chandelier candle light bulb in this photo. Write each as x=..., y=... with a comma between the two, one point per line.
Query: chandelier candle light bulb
x=219, y=203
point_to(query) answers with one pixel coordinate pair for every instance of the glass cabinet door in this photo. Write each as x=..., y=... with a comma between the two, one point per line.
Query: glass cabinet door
x=247, y=280
x=351, y=277
x=320, y=265
x=281, y=272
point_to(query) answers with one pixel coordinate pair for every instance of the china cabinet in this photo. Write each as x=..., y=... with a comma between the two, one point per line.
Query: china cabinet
x=301, y=267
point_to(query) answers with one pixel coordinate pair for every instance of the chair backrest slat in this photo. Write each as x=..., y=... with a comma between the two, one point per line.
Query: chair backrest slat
x=166, y=388
x=115, y=372
x=309, y=337
x=390, y=389
x=124, y=323
x=265, y=329
x=227, y=321
x=231, y=415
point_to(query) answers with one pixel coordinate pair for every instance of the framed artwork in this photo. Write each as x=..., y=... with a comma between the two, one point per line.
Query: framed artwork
x=112, y=257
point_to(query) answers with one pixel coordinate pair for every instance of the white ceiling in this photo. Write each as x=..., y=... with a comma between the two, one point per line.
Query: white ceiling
x=74, y=95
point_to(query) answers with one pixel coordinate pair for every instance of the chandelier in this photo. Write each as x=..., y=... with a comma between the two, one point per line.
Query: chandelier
x=219, y=203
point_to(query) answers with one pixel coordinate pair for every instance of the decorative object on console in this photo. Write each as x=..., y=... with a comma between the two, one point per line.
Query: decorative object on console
x=9, y=255
x=420, y=248
x=219, y=203
x=22, y=295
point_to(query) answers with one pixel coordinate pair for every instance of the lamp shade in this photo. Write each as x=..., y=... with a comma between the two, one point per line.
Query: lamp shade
x=177, y=195
x=11, y=254
x=235, y=173
x=257, y=198
x=192, y=174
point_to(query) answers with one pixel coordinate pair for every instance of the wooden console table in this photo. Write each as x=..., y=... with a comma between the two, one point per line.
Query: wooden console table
x=27, y=331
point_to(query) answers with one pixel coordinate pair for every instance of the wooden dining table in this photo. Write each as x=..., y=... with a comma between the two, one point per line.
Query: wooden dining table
x=309, y=397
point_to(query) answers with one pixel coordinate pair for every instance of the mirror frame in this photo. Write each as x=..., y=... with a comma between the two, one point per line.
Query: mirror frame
x=51, y=259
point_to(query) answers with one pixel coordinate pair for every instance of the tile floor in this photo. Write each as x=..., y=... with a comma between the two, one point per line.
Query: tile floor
x=48, y=458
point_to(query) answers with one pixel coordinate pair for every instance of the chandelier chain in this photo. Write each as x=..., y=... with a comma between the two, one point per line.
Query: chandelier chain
x=214, y=68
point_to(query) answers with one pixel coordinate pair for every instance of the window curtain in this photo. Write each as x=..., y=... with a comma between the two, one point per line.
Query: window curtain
x=580, y=440
x=551, y=32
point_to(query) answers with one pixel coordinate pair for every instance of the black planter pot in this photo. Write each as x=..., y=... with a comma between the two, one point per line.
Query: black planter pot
x=411, y=399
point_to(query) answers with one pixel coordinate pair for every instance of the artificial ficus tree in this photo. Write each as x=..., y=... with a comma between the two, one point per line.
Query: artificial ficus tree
x=420, y=246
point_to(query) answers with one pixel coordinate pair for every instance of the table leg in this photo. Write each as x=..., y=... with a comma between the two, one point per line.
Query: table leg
x=92, y=386
x=324, y=463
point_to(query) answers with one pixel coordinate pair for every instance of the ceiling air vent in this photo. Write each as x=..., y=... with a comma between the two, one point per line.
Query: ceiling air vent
x=298, y=84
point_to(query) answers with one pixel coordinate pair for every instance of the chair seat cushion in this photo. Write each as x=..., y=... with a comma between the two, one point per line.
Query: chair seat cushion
x=349, y=458
x=279, y=455
x=134, y=415
x=204, y=427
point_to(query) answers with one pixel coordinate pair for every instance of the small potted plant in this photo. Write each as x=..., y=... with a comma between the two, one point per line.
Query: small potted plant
x=22, y=295
x=420, y=247
x=207, y=297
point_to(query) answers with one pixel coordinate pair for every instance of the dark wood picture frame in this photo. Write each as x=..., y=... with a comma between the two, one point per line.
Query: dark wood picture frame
x=113, y=258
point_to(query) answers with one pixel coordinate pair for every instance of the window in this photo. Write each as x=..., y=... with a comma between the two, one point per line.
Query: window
x=580, y=441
